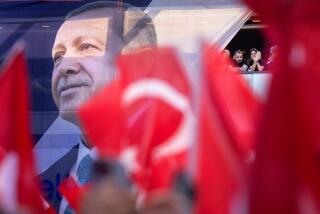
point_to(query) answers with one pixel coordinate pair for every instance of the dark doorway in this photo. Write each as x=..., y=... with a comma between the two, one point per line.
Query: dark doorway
x=251, y=35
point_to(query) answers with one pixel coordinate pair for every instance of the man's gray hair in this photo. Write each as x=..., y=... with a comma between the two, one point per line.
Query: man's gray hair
x=134, y=27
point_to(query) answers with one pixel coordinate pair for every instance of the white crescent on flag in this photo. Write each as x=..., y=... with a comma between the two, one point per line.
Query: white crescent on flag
x=156, y=88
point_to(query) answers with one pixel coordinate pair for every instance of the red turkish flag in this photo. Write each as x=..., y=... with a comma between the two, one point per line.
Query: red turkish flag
x=228, y=115
x=145, y=117
x=286, y=173
x=18, y=183
x=234, y=102
x=219, y=172
x=73, y=192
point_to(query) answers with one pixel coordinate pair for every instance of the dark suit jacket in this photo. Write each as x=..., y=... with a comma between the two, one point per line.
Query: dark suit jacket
x=52, y=178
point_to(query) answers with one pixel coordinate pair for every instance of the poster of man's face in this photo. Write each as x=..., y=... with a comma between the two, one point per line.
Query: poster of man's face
x=80, y=63
x=69, y=59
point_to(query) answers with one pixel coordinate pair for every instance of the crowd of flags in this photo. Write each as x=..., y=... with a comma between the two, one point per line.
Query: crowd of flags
x=243, y=155
x=19, y=186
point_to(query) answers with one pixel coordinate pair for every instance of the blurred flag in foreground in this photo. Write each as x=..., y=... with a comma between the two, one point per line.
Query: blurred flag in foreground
x=236, y=105
x=148, y=124
x=73, y=192
x=146, y=118
x=227, y=119
x=286, y=173
x=18, y=184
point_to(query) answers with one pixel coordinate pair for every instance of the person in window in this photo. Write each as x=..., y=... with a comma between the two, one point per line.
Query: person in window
x=239, y=62
x=255, y=63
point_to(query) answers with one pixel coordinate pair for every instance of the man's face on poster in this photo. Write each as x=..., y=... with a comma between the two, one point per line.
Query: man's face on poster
x=81, y=65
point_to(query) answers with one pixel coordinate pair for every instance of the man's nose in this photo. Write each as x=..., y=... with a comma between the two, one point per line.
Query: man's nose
x=69, y=66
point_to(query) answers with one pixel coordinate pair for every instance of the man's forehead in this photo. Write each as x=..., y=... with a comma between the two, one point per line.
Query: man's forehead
x=86, y=23
x=73, y=30
x=95, y=27
x=105, y=12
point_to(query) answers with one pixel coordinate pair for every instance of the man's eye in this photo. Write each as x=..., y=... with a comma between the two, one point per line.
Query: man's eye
x=87, y=47
x=57, y=59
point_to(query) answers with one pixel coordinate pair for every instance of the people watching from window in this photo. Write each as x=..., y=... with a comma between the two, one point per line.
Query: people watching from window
x=239, y=62
x=255, y=62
